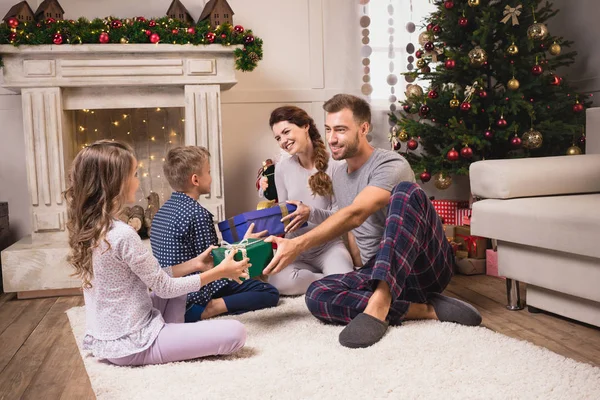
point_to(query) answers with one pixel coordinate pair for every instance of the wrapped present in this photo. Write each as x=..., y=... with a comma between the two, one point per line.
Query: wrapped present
x=460, y=254
x=463, y=216
x=269, y=219
x=491, y=260
x=475, y=245
x=447, y=210
x=259, y=252
x=470, y=266
x=449, y=231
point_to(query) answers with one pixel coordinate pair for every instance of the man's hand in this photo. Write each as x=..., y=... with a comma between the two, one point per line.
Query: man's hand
x=257, y=235
x=287, y=251
x=298, y=217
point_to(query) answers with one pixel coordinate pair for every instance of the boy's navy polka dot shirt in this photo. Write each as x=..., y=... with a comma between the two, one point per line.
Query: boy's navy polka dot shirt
x=181, y=230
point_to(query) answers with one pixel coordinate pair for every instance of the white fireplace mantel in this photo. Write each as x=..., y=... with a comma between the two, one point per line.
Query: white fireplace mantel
x=55, y=78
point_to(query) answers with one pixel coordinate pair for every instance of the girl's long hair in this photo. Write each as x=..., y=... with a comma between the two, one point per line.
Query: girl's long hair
x=319, y=182
x=96, y=194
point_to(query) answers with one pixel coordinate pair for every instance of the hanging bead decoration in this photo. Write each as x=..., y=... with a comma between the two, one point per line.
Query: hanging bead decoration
x=366, y=50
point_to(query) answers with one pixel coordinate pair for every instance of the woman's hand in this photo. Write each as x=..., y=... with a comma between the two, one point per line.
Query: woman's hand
x=232, y=269
x=298, y=217
x=250, y=235
x=204, y=261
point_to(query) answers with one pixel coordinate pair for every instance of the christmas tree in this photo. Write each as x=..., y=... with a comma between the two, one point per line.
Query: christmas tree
x=493, y=91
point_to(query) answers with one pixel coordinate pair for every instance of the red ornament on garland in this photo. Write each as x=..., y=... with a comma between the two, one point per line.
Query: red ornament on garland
x=437, y=29
x=450, y=64
x=463, y=22
x=175, y=31
x=515, y=142
x=488, y=134
x=465, y=106
x=424, y=110
x=412, y=144
x=425, y=176
x=449, y=4
x=466, y=152
x=452, y=155
x=238, y=29
x=148, y=32
x=249, y=39
x=577, y=107
x=116, y=24
x=191, y=30
x=50, y=21
x=433, y=94
x=104, y=38
x=210, y=37
x=501, y=123
x=537, y=70
x=483, y=94
x=152, y=23
x=57, y=38
x=154, y=38
x=12, y=37
x=13, y=22
x=429, y=46
x=223, y=36
x=141, y=19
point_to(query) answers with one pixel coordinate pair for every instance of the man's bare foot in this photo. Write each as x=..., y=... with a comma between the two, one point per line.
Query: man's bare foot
x=380, y=302
x=213, y=308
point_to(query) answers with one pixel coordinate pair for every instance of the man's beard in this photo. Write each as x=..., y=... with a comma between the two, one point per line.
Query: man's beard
x=349, y=150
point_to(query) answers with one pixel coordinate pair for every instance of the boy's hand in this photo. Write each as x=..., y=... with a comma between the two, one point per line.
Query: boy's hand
x=257, y=235
x=204, y=261
x=232, y=269
x=298, y=217
x=264, y=183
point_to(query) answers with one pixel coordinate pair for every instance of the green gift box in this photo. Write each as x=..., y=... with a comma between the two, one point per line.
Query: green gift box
x=259, y=253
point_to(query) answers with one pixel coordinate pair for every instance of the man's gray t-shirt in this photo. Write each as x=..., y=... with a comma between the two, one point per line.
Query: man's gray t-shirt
x=384, y=169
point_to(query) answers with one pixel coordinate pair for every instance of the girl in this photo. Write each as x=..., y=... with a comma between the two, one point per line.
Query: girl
x=305, y=177
x=125, y=324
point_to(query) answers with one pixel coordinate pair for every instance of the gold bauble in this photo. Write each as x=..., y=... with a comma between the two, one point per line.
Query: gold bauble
x=537, y=31
x=403, y=136
x=512, y=50
x=477, y=57
x=124, y=40
x=573, y=151
x=473, y=3
x=425, y=37
x=532, y=139
x=413, y=90
x=555, y=49
x=454, y=103
x=513, y=84
x=421, y=63
x=442, y=181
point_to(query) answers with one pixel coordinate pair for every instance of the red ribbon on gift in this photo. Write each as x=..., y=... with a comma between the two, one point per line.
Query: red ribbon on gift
x=471, y=242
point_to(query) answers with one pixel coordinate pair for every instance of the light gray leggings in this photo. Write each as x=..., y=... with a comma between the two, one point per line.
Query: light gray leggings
x=297, y=277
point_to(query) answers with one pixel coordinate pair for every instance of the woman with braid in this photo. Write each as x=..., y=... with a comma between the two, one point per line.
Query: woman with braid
x=304, y=180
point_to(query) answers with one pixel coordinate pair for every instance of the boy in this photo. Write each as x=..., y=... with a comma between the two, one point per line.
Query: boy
x=182, y=229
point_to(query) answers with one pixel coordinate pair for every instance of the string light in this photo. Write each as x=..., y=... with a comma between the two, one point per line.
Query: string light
x=116, y=123
x=157, y=108
x=153, y=138
x=144, y=121
x=95, y=130
x=125, y=116
x=182, y=119
x=163, y=127
x=81, y=128
x=152, y=157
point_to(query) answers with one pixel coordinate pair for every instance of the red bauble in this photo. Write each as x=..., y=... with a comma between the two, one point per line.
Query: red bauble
x=577, y=107
x=433, y=94
x=397, y=145
x=116, y=24
x=429, y=27
x=412, y=144
x=488, y=134
x=12, y=36
x=537, y=70
x=419, y=53
x=429, y=46
x=57, y=38
x=210, y=37
x=452, y=155
x=437, y=29
x=13, y=22
x=223, y=36
x=463, y=22
x=449, y=4
x=38, y=25
x=483, y=94
x=141, y=19
x=406, y=107
x=238, y=28
x=466, y=152
x=515, y=142
x=249, y=39
x=450, y=64
x=154, y=38
x=581, y=140
x=501, y=123
x=104, y=38
x=555, y=80
x=425, y=176
x=191, y=31
x=50, y=21
x=148, y=32
x=175, y=31
x=424, y=110
x=152, y=23
x=464, y=106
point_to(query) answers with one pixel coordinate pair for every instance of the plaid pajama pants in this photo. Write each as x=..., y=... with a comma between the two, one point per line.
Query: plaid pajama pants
x=414, y=258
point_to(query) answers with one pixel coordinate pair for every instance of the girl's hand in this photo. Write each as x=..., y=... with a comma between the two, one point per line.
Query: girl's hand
x=250, y=235
x=232, y=269
x=204, y=261
x=264, y=183
x=298, y=217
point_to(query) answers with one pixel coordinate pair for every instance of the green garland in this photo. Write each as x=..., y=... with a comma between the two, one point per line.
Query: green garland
x=136, y=30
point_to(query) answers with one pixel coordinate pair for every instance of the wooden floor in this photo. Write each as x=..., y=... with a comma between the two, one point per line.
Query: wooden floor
x=39, y=357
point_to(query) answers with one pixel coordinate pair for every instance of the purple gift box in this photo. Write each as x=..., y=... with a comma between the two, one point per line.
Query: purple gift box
x=234, y=229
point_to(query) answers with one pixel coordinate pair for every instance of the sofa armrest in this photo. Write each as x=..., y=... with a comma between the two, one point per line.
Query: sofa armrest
x=528, y=177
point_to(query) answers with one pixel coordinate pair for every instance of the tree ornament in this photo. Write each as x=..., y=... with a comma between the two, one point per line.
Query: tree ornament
x=425, y=176
x=477, y=57
x=573, y=151
x=12, y=37
x=473, y=3
x=515, y=142
x=191, y=30
x=424, y=110
x=141, y=19
x=511, y=14
x=429, y=26
x=12, y=22
x=223, y=36
x=501, y=123
x=124, y=40
x=454, y=102
x=148, y=32
x=104, y=38
x=488, y=134
x=116, y=24
x=248, y=39
x=154, y=38
x=442, y=181
x=463, y=22
x=555, y=80
x=253, y=57
x=429, y=46
x=537, y=70
x=238, y=29
x=50, y=21
x=57, y=38
x=577, y=107
x=465, y=106
x=425, y=37
x=452, y=155
x=406, y=107
x=555, y=49
x=419, y=53
x=537, y=31
x=412, y=144
x=450, y=64
x=413, y=90
x=175, y=31
x=210, y=37
x=152, y=23
x=449, y=4
x=396, y=145
x=513, y=84
x=466, y=152
x=581, y=140
x=403, y=136
x=483, y=94
x=421, y=63
x=433, y=94
x=437, y=29
x=532, y=139
x=512, y=50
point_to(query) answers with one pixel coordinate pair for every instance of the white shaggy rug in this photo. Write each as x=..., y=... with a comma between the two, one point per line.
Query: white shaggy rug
x=290, y=355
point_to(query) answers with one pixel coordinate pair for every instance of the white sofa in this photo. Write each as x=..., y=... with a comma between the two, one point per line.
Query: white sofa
x=545, y=215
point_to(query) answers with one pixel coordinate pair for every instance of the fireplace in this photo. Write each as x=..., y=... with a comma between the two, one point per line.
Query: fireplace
x=151, y=96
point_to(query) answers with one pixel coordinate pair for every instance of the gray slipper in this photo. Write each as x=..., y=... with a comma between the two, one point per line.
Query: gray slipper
x=363, y=331
x=449, y=309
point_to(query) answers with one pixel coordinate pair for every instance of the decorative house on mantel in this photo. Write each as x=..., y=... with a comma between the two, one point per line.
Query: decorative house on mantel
x=217, y=12
x=21, y=11
x=178, y=11
x=49, y=9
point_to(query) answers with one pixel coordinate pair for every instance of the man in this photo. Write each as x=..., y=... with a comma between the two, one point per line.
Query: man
x=406, y=260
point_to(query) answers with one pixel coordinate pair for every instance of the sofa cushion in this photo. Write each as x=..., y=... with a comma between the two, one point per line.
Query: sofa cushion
x=565, y=223
x=504, y=179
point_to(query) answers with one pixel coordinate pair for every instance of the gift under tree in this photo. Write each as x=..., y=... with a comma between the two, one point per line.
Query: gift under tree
x=494, y=91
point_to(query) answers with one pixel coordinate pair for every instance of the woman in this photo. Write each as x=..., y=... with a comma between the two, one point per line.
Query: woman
x=305, y=177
